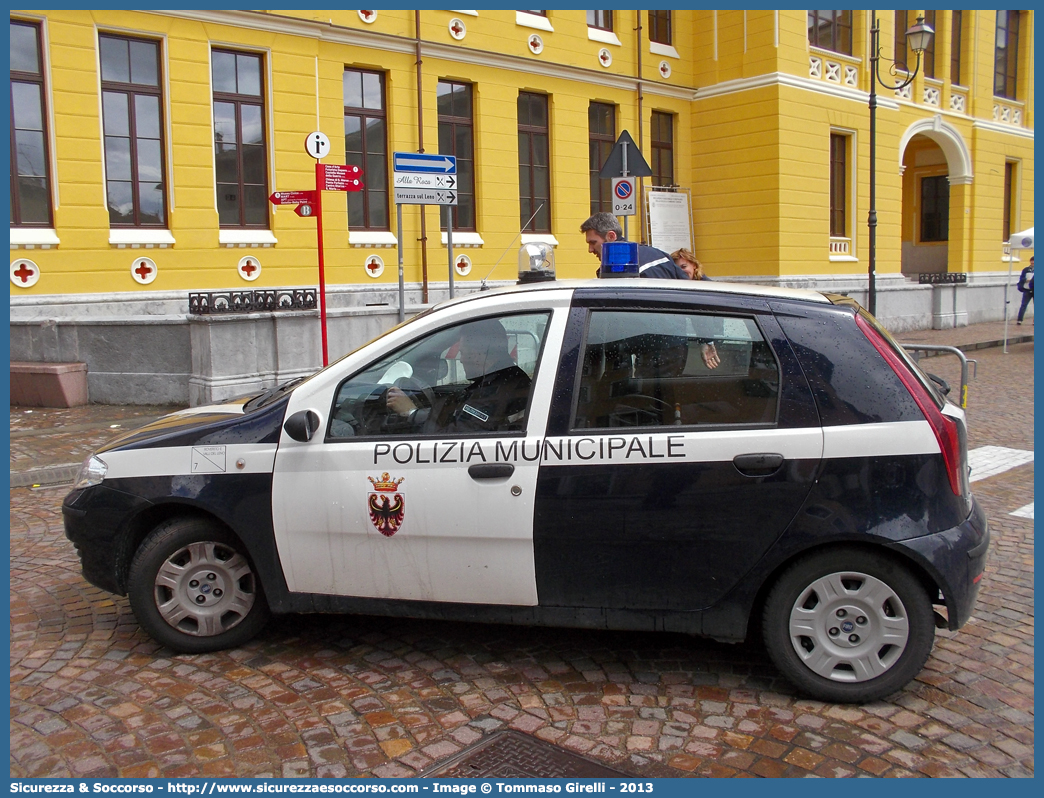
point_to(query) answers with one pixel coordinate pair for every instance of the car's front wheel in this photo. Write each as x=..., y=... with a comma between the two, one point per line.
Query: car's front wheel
x=848, y=625
x=193, y=588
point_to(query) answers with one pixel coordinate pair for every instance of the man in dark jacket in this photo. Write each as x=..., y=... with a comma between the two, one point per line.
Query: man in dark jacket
x=495, y=398
x=652, y=262
x=1026, y=287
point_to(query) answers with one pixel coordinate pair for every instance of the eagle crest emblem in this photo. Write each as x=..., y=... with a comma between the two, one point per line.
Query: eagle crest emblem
x=386, y=504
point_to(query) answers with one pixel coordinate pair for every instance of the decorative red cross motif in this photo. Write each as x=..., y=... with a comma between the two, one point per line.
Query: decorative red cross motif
x=373, y=264
x=23, y=273
x=457, y=28
x=143, y=270
x=664, y=69
x=534, y=42
x=249, y=268
x=462, y=264
x=604, y=57
x=367, y=15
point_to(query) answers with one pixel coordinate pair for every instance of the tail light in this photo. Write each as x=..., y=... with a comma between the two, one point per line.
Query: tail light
x=945, y=428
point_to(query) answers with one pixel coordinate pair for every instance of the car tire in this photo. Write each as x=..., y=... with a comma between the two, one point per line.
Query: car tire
x=193, y=588
x=848, y=625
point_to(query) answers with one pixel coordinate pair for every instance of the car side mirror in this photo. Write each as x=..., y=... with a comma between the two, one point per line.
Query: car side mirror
x=301, y=426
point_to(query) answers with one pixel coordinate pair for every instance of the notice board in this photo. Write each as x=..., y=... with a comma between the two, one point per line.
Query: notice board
x=670, y=220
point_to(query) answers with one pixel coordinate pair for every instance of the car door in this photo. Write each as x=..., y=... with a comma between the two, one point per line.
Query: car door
x=677, y=470
x=419, y=506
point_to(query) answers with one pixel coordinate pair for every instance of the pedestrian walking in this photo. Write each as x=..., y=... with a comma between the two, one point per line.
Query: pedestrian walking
x=1026, y=287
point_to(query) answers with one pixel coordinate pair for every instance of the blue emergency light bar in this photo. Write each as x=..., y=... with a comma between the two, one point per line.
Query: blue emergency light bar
x=619, y=259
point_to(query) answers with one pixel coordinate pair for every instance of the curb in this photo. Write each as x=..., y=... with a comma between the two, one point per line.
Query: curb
x=51, y=475
x=1018, y=339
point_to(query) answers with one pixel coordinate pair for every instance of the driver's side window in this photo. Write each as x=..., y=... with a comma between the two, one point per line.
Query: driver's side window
x=470, y=378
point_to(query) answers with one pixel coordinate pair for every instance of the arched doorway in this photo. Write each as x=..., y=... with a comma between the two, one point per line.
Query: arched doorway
x=936, y=170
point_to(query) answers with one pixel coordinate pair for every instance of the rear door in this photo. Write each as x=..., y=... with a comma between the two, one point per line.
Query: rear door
x=683, y=441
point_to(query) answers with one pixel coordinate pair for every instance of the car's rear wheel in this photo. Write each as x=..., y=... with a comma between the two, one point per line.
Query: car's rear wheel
x=193, y=588
x=848, y=625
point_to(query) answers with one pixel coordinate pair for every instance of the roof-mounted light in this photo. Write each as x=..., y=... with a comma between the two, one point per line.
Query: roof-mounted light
x=536, y=262
x=619, y=259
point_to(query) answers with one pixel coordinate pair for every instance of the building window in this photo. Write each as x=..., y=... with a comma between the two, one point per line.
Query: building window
x=662, y=149
x=838, y=185
x=239, y=139
x=1009, y=199
x=132, y=121
x=902, y=55
x=935, y=208
x=457, y=138
x=1006, y=55
x=600, y=19
x=534, y=163
x=660, y=27
x=928, y=56
x=955, y=47
x=30, y=169
x=601, y=121
x=831, y=30
x=366, y=146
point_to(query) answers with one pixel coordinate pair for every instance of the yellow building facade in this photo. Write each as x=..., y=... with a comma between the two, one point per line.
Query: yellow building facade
x=760, y=117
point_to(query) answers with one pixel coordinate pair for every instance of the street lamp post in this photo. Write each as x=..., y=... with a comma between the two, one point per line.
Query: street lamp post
x=918, y=37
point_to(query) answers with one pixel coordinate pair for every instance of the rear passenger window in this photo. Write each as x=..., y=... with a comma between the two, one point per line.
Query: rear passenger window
x=649, y=369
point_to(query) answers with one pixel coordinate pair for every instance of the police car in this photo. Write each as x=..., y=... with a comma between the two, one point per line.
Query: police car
x=704, y=457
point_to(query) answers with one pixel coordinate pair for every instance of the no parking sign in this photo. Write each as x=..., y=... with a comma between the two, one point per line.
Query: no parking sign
x=623, y=196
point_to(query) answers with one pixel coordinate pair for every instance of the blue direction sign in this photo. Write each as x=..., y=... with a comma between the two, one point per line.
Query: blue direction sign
x=423, y=162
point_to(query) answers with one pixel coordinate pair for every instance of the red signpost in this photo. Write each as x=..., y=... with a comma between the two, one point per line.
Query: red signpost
x=328, y=177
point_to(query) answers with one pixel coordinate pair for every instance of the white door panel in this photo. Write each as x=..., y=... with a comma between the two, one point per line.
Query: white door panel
x=457, y=539
x=460, y=540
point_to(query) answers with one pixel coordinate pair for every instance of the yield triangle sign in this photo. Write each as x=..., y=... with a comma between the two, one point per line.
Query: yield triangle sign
x=636, y=165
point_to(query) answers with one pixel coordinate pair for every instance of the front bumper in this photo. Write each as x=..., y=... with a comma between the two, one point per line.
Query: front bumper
x=956, y=560
x=96, y=521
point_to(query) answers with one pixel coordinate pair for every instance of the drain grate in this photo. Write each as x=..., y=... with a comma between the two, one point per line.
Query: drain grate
x=512, y=755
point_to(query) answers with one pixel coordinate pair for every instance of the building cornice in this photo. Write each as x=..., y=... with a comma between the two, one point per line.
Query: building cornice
x=996, y=127
x=328, y=32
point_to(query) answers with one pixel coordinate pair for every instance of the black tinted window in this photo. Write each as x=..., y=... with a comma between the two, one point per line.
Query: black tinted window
x=851, y=382
x=644, y=368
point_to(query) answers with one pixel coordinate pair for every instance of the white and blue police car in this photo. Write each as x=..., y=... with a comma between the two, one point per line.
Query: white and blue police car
x=704, y=457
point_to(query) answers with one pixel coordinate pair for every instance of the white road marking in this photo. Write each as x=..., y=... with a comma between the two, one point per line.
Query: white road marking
x=987, y=461
x=1024, y=512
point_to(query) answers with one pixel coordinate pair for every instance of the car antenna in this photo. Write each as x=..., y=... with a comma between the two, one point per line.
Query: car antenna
x=482, y=285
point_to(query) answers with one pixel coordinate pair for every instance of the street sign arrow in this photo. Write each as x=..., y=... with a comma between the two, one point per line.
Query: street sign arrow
x=446, y=181
x=291, y=197
x=421, y=162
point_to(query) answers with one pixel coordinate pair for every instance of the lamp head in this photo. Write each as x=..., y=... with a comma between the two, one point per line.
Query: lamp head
x=919, y=36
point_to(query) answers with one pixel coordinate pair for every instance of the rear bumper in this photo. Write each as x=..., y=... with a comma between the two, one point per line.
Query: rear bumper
x=956, y=560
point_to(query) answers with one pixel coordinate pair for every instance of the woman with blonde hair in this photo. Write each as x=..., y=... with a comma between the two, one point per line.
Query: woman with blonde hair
x=687, y=263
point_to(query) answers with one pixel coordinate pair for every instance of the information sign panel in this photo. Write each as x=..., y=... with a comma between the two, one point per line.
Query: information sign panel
x=337, y=177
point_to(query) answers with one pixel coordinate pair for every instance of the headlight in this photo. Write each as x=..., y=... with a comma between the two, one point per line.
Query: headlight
x=92, y=472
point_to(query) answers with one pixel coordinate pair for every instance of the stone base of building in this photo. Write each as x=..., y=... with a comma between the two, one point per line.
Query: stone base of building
x=147, y=348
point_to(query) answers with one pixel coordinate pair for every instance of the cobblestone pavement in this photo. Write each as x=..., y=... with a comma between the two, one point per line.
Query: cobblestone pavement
x=92, y=695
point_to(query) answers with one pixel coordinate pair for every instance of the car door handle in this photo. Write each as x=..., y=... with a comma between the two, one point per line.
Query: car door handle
x=491, y=470
x=757, y=465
